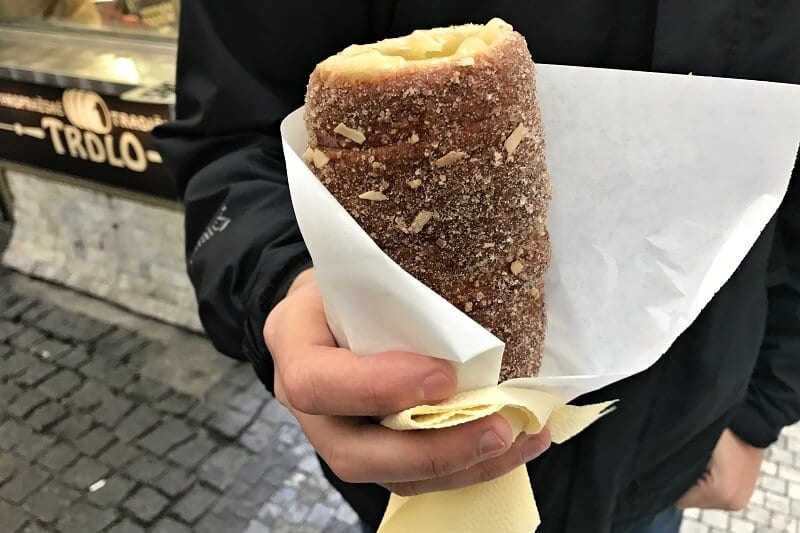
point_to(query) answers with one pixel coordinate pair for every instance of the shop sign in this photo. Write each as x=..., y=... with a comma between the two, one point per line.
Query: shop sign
x=79, y=132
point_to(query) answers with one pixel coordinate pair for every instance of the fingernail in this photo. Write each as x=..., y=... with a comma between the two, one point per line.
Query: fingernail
x=490, y=443
x=436, y=387
x=534, y=448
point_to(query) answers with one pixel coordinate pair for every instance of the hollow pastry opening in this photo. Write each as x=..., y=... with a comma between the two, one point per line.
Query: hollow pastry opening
x=419, y=49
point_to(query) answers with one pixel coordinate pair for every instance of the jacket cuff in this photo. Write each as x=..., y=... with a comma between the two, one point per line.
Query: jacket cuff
x=752, y=427
x=263, y=300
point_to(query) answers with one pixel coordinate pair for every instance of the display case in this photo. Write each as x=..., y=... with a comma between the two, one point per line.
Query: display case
x=82, y=85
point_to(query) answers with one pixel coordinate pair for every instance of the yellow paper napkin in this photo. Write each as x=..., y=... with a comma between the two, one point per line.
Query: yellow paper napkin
x=505, y=504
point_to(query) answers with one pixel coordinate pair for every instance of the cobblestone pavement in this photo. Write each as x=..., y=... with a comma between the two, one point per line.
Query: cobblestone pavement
x=106, y=425
x=89, y=443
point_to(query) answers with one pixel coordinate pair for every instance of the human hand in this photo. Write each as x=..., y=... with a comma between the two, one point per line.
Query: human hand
x=730, y=477
x=333, y=392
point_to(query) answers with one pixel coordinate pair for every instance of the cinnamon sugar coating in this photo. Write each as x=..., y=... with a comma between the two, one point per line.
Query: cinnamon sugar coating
x=457, y=150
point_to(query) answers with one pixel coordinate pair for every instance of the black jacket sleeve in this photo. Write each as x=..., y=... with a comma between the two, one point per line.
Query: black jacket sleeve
x=242, y=67
x=773, y=396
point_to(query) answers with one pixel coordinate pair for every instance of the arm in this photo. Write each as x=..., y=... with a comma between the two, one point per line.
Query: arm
x=241, y=69
x=773, y=397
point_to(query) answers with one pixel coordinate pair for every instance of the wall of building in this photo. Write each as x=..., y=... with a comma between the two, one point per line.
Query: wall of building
x=116, y=248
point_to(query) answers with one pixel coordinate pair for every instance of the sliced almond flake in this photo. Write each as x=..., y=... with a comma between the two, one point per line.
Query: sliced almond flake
x=414, y=139
x=414, y=184
x=308, y=155
x=515, y=138
x=401, y=224
x=373, y=196
x=449, y=158
x=468, y=307
x=516, y=267
x=320, y=158
x=352, y=134
x=488, y=245
x=422, y=218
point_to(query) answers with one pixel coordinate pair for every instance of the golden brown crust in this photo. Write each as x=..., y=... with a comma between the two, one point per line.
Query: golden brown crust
x=452, y=199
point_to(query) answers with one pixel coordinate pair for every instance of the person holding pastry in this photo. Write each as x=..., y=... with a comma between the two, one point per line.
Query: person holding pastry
x=440, y=158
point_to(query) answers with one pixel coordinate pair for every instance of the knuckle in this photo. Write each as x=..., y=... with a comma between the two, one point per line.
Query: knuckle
x=431, y=466
x=299, y=389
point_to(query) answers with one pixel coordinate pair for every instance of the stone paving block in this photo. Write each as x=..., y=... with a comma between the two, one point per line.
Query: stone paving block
x=176, y=404
x=718, y=519
x=34, y=445
x=90, y=395
x=193, y=452
x=212, y=523
x=112, y=410
x=35, y=311
x=790, y=473
x=60, y=385
x=691, y=526
x=14, y=306
x=25, y=403
x=256, y=527
x=247, y=403
x=196, y=502
x=73, y=426
x=75, y=358
x=126, y=526
x=66, y=325
x=12, y=433
x=27, y=339
x=229, y=423
x=58, y=457
x=259, y=436
x=16, y=364
x=49, y=502
x=769, y=468
x=118, y=344
x=759, y=515
x=84, y=473
x=11, y=518
x=115, y=490
x=9, y=329
x=85, y=518
x=146, y=469
x=794, y=491
x=52, y=349
x=240, y=375
x=120, y=455
x=146, y=504
x=168, y=434
x=221, y=468
x=46, y=415
x=274, y=412
x=36, y=372
x=174, y=482
x=146, y=389
x=320, y=515
x=773, y=484
x=346, y=514
x=199, y=413
x=739, y=525
x=8, y=465
x=8, y=393
x=95, y=441
x=136, y=423
x=169, y=525
x=23, y=484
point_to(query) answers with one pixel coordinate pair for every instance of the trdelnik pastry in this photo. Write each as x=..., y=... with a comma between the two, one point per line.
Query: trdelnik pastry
x=433, y=143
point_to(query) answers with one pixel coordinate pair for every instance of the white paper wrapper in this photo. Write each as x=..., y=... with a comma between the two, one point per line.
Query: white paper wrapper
x=661, y=184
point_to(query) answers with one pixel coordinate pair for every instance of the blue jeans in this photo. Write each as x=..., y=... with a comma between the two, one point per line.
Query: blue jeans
x=667, y=521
